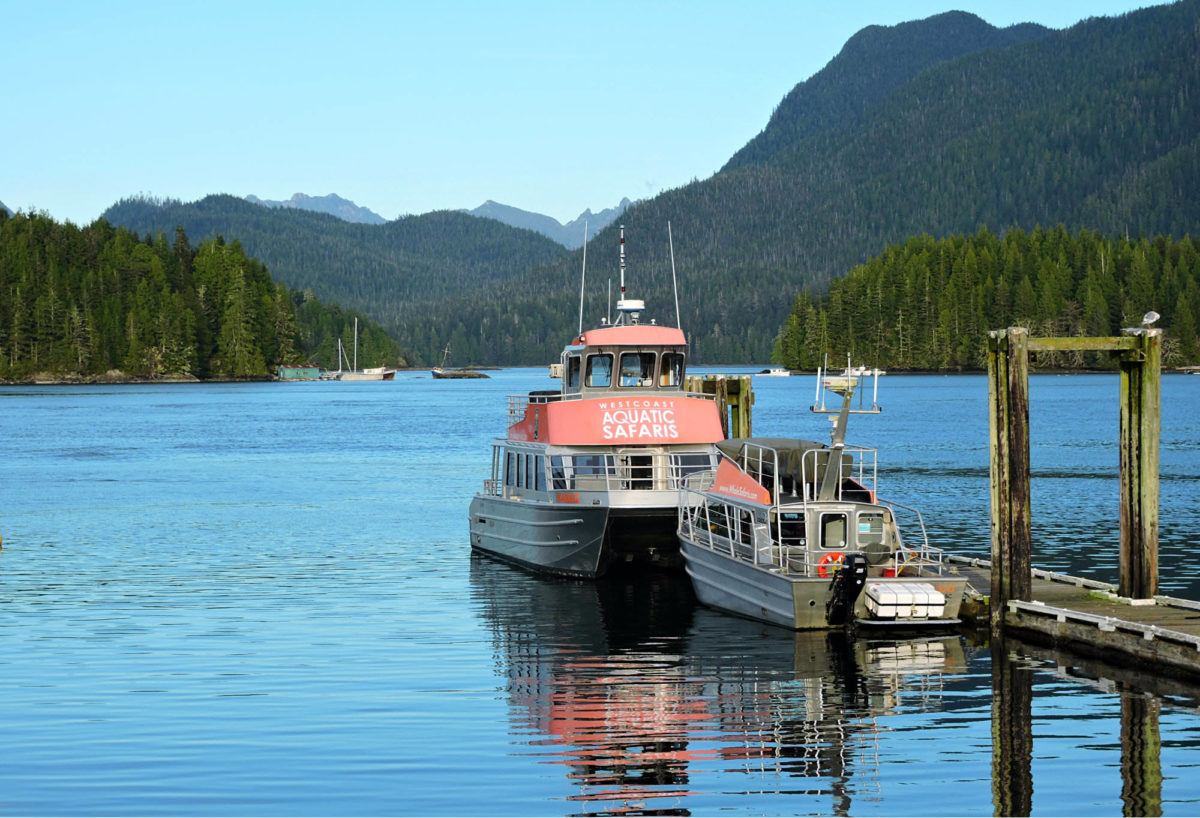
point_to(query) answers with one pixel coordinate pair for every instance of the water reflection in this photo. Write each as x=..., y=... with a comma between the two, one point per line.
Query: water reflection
x=637, y=692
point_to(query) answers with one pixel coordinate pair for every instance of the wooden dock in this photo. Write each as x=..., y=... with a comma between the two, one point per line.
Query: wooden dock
x=1129, y=621
x=1090, y=617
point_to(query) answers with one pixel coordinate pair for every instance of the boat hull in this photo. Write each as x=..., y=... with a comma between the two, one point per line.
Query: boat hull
x=799, y=603
x=567, y=540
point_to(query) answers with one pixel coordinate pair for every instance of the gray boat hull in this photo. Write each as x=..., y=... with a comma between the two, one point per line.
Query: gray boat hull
x=738, y=587
x=559, y=539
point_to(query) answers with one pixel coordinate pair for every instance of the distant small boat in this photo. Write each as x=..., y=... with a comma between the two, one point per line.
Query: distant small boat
x=378, y=373
x=442, y=373
x=774, y=372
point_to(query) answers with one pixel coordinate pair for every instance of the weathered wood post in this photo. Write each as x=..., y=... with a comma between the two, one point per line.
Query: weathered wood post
x=1139, y=441
x=1012, y=734
x=1141, y=754
x=1008, y=424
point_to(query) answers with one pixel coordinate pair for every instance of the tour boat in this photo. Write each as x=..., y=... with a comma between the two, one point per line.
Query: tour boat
x=588, y=475
x=792, y=532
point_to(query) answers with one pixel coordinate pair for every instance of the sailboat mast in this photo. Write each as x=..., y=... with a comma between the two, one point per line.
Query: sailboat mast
x=356, y=343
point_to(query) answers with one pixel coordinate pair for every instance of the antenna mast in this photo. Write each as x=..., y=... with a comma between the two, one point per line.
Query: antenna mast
x=622, y=263
x=609, y=302
x=583, y=276
x=674, y=282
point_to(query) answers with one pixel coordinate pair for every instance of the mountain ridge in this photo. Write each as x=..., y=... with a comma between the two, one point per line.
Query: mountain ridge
x=569, y=235
x=330, y=203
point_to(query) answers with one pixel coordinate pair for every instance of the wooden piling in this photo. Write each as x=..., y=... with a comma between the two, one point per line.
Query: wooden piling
x=1139, y=445
x=735, y=400
x=1008, y=424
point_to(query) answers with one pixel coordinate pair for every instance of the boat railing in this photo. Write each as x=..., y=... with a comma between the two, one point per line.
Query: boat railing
x=913, y=552
x=859, y=464
x=736, y=535
x=762, y=463
x=493, y=487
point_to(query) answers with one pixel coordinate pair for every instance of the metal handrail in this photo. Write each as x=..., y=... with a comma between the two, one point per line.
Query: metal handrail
x=922, y=557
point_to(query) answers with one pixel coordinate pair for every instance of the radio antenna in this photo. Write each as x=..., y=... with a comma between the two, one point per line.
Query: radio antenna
x=674, y=281
x=583, y=276
x=622, y=262
x=609, y=319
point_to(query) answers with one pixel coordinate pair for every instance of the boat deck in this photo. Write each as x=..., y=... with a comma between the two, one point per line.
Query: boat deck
x=1087, y=616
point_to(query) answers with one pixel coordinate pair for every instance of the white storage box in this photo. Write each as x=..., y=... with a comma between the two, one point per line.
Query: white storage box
x=904, y=600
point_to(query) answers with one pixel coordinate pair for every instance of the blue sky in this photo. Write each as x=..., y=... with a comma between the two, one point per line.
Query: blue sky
x=406, y=107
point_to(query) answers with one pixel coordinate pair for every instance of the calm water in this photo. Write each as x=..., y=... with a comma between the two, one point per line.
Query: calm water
x=258, y=598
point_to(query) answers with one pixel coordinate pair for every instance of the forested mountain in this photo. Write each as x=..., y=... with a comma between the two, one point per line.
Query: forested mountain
x=82, y=302
x=332, y=204
x=4, y=208
x=391, y=271
x=1096, y=126
x=928, y=303
x=569, y=235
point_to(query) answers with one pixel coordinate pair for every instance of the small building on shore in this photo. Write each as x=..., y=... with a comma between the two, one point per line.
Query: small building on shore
x=299, y=373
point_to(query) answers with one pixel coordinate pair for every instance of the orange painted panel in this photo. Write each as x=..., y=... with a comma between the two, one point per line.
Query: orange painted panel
x=632, y=421
x=733, y=482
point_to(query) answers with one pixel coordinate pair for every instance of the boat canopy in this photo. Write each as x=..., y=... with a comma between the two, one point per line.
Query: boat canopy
x=634, y=335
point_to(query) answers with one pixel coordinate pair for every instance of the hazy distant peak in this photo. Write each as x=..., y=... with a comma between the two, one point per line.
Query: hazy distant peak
x=569, y=235
x=331, y=203
x=5, y=208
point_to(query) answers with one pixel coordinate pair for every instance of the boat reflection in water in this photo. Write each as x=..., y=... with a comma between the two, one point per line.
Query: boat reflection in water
x=645, y=698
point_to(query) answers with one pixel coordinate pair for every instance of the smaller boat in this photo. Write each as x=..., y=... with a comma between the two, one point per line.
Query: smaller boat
x=377, y=373
x=792, y=532
x=442, y=373
x=774, y=372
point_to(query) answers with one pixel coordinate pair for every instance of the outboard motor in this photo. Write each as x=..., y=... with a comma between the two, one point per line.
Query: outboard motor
x=845, y=587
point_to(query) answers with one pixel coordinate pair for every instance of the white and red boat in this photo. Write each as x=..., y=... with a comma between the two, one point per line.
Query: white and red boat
x=588, y=475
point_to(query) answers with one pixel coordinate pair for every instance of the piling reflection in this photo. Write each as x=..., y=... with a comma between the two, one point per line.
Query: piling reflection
x=1012, y=733
x=642, y=696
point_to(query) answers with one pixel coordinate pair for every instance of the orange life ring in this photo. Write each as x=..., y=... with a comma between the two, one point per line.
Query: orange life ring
x=827, y=562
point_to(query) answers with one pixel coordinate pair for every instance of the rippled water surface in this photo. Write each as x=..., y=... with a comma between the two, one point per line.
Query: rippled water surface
x=258, y=598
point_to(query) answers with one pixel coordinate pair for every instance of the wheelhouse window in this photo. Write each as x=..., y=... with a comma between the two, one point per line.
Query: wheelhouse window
x=671, y=372
x=833, y=530
x=539, y=473
x=511, y=469
x=573, y=372
x=599, y=370
x=637, y=369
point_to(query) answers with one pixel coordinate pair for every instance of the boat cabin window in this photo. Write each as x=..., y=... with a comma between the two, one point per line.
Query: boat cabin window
x=833, y=529
x=637, y=369
x=718, y=519
x=599, y=370
x=870, y=529
x=573, y=372
x=562, y=476
x=520, y=470
x=671, y=373
x=539, y=473
x=510, y=475
x=790, y=528
x=745, y=526
x=684, y=464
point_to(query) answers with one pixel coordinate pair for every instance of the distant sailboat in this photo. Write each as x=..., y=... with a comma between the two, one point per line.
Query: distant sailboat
x=378, y=373
x=442, y=372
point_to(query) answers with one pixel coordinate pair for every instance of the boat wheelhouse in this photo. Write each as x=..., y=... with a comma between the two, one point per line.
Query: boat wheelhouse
x=792, y=532
x=589, y=474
